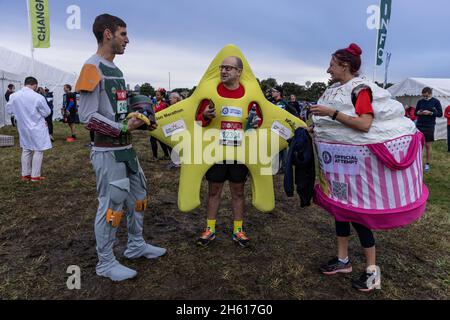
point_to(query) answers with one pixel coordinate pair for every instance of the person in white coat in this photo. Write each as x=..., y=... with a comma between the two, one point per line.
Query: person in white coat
x=30, y=110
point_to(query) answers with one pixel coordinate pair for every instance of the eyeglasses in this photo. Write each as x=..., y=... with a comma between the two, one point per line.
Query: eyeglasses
x=228, y=68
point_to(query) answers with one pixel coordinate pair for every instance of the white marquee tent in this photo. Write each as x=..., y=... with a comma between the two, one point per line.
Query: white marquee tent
x=14, y=68
x=409, y=92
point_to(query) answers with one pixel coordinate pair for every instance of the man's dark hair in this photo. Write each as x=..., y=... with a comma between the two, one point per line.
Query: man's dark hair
x=239, y=63
x=30, y=81
x=10, y=86
x=68, y=86
x=427, y=90
x=106, y=21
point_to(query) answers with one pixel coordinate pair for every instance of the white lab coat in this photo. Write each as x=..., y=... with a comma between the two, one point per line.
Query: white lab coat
x=30, y=110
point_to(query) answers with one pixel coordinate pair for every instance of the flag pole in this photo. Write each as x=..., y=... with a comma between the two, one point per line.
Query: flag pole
x=31, y=36
x=388, y=61
x=376, y=43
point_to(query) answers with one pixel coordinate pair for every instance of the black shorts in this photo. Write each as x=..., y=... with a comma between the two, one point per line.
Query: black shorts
x=219, y=173
x=428, y=132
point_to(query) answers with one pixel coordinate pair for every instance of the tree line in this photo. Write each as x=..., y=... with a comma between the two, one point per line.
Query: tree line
x=310, y=92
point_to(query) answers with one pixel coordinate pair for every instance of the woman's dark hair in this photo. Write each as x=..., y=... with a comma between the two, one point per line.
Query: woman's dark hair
x=350, y=56
x=106, y=21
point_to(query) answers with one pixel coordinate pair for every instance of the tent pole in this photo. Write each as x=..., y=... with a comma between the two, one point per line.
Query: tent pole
x=31, y=36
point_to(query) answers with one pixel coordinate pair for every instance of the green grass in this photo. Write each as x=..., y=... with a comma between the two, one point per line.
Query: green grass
x=47, y=227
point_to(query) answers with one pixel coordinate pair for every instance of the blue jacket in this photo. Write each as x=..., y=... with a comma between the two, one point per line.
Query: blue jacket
x=300, y=156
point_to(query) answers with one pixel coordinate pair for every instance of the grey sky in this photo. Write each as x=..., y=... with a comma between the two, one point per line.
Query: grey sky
x=289, y=40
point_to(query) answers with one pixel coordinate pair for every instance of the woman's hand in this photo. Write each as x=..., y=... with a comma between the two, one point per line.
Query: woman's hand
x=322, y=111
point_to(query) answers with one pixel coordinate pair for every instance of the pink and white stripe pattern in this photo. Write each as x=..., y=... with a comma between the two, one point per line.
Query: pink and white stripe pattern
x=376, y=187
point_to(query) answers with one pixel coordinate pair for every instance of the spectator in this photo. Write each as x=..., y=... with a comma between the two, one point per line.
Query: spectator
x=30, y=110
x=174, y=98
x=294, y=106
x=49, y=98
x=409, y=112
x=9, y=92
x=277, y=96
x=160, y=105
x=427, y=110
x=70, y=111
x=447, y=115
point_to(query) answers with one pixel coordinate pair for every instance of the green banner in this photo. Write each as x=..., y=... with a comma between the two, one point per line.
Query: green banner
x=385, y=17
x=40, y=23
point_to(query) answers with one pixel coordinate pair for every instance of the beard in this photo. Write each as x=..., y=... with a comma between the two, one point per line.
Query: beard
x=117, y=48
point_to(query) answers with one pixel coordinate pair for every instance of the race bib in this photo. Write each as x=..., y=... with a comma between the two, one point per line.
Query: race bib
x=231, y=133
x=122, y=102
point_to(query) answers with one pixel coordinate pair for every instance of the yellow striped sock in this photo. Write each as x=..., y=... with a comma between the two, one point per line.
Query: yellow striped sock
x=238, y=226
x=211, y=225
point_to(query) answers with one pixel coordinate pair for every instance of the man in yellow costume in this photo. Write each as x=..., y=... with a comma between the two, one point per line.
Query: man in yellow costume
x=236, y=173
x=241, y=138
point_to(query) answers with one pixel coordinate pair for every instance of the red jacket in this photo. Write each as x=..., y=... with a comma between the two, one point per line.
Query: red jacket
x=409, y=113
x=447, y=114
x=160, y=106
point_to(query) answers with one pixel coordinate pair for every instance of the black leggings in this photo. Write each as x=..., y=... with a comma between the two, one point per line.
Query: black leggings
x=365, y=235
x=49, y=121
x=165, y=148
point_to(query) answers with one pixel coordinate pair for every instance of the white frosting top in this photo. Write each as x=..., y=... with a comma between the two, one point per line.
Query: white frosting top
x=389, y=120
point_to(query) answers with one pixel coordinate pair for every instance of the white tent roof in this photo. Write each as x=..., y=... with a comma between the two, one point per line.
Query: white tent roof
x=14, y=68
x=414, y=86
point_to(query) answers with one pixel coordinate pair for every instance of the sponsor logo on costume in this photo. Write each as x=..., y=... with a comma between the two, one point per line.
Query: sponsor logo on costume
x=281, y=130
x=174, y=128
x=232, y=112
x=340, y=158
x=327, y=158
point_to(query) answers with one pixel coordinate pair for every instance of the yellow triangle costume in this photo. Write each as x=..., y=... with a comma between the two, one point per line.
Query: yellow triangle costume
x=200, y=148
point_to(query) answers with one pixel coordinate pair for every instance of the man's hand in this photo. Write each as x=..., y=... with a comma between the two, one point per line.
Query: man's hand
x=426, y=113
x=153, y=127
x=134, y=123
x=209, y=113
x=255, y=122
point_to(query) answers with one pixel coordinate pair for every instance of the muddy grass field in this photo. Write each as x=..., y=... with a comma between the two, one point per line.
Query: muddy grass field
x=47, y=227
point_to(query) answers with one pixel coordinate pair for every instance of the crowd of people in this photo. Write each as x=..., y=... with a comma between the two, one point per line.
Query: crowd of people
x=121, y=183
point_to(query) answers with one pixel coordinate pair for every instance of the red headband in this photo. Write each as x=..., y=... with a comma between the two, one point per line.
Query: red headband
x=354, y=49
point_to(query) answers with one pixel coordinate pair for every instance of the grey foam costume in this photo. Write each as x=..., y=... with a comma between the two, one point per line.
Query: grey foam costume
x=120, y=185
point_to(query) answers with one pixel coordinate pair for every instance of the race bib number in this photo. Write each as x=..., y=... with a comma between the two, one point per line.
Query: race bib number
x=231, y=133
x=122, y=101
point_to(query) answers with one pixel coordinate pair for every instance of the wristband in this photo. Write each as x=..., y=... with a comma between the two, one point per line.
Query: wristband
x=335, y=115
x=124, y=128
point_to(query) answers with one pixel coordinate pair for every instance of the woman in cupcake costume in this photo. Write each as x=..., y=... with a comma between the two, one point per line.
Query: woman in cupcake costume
x=370, y=159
